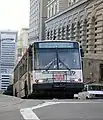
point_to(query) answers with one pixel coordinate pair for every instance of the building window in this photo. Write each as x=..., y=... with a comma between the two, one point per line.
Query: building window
x=95, y=34
x=63, y=33
x=54, y=37
x=86, y=51
x=49, y=12
x=74, y=1
x=95, y=23
x=89, y=63
x=95, y=46
x=87, y=25
x=95, y=40
x=67, y=32
x=51, y=33
x=48, y=35
x=95, y=51
x=96, y=28
x=72, y=31
x=55, y=8
x=59, y=33
x=52, y=11
x=87, y=30
x=78, y=30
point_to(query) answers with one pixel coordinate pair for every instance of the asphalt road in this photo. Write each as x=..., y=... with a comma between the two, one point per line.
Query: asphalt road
x=12, y=108
x=71, y=111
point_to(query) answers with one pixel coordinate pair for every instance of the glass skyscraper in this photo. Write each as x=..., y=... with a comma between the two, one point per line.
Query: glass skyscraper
x=8, y=40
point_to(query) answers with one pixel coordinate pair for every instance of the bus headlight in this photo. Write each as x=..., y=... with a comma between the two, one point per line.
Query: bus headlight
x=38, y=81
x=78, y=80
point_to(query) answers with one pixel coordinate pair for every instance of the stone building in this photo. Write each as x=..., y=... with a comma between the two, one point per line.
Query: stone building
x=82, y=21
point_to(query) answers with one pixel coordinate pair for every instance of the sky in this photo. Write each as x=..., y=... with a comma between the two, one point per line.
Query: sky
x=14, y=14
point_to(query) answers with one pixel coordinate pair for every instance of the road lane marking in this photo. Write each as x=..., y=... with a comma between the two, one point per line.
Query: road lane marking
x=43, y=105
x=28, y=113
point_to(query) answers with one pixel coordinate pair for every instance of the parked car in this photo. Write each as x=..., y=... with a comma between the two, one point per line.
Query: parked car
x=91, y=91
x=9, y=90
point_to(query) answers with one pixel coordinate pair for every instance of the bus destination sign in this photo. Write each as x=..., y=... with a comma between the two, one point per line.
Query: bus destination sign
x=56, y=45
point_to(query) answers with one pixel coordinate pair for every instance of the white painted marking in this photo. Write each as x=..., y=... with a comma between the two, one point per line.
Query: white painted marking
x=28, y=113
x=43, y=105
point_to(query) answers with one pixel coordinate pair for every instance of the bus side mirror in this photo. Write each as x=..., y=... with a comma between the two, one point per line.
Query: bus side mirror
x=85, y=89
x=82, y=52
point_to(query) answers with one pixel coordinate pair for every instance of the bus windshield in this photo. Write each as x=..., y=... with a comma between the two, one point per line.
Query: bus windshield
x=48, y=56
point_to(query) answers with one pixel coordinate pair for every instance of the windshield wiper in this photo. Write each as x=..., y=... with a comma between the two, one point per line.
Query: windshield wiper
x=64, y=65
x=49, y=64
x=57, y=59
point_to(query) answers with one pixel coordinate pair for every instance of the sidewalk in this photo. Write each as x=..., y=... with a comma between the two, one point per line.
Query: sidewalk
x=8, y=103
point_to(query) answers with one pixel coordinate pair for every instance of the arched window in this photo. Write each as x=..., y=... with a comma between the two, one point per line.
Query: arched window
x=48, y=35
x=67, y=32
x=72, y=32
x=51, y=32
x=63, y=32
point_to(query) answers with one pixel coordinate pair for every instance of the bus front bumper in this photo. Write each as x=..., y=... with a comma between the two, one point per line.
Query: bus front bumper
x=72, y=87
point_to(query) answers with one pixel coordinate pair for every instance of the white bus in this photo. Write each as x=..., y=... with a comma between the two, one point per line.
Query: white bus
x=49, y=67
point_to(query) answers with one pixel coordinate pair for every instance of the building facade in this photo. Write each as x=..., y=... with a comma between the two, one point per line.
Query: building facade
x=8, y=40
x=38, y=14
x=82, y=21
x=22, y=43
x=56, y=6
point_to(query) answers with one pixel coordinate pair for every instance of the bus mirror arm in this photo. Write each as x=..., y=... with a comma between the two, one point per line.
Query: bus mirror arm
x=82, y=52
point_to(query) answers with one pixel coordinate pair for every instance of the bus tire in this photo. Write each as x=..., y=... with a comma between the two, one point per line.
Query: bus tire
x=26, y=89
x=15, y=93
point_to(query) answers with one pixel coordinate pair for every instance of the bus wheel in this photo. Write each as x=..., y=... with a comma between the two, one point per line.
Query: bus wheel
x=15, y=93
x=26, y=89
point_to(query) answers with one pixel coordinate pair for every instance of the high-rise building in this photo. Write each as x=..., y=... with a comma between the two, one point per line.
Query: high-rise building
x=38, y=15
x=8, y=51
x=82, y=21
x=22, y=43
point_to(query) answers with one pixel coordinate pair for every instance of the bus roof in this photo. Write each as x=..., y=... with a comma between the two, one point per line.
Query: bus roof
x=56, y=41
